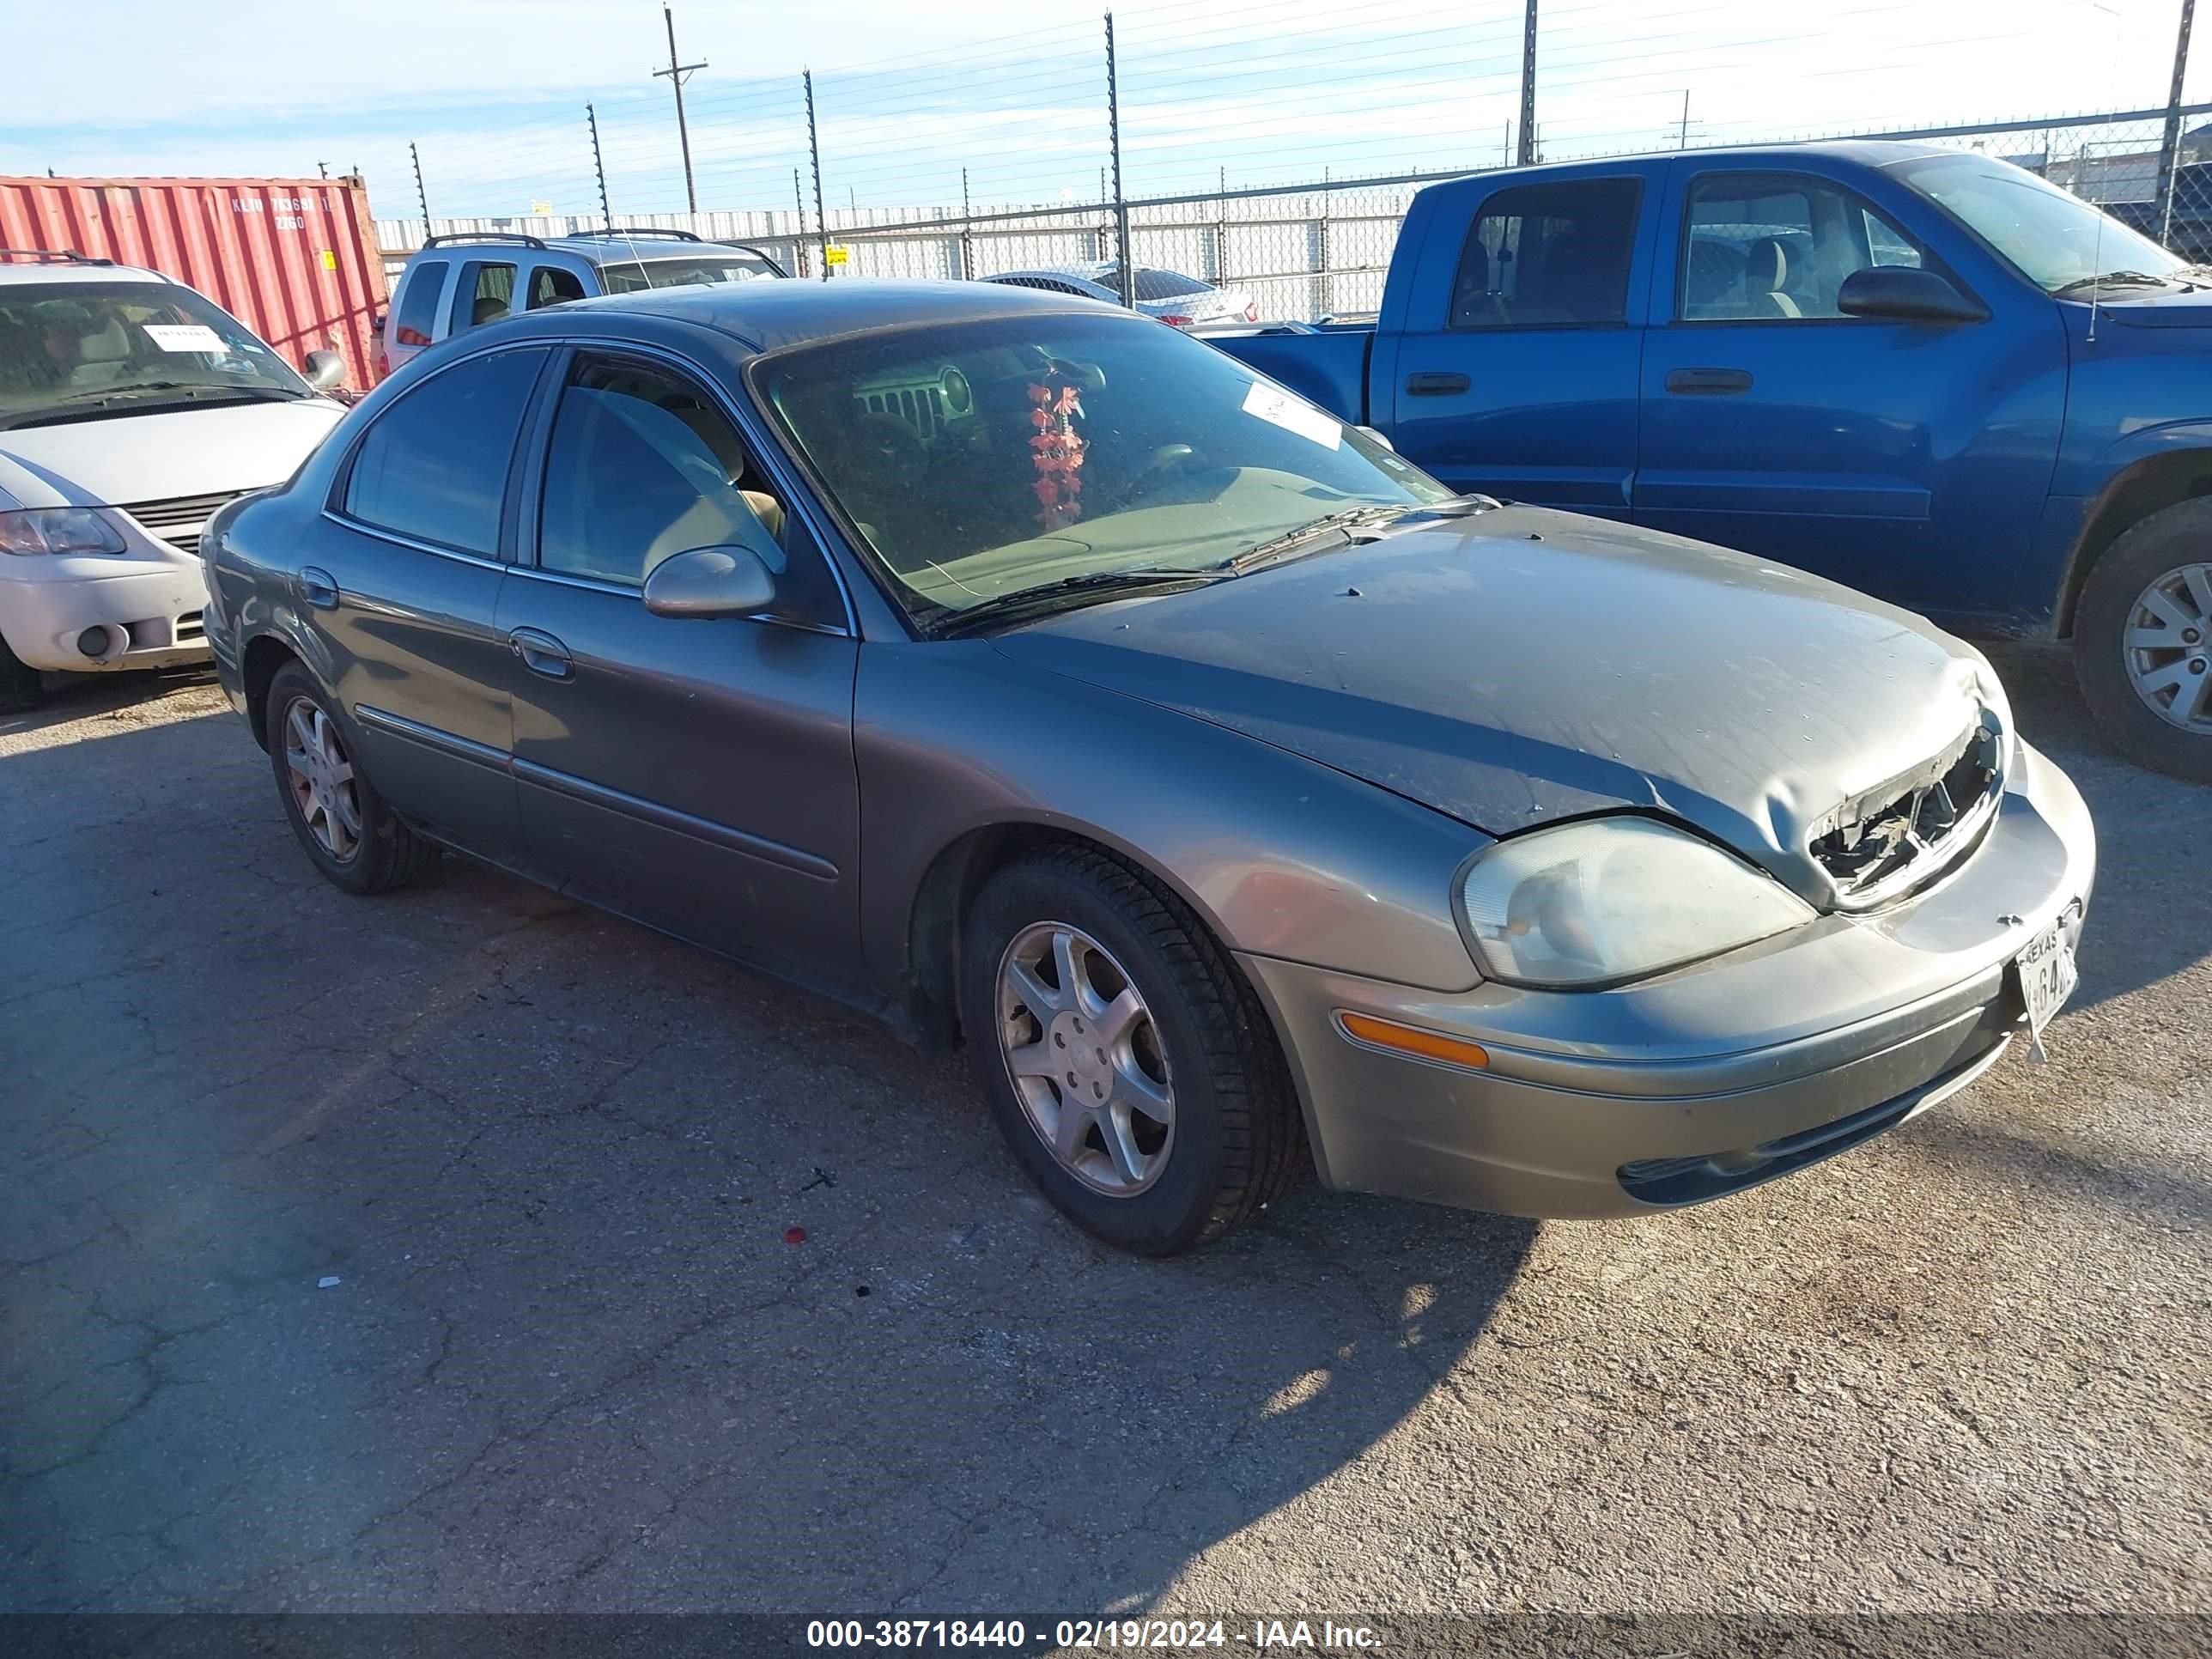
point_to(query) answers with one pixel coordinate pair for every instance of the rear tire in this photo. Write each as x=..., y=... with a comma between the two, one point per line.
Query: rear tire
x=1197, y=1044
x=2152, y=583
x=344, y=826
x=21, y=686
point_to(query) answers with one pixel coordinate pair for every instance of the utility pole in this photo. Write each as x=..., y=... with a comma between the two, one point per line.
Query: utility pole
x=799, y=242
x=1529, y=87
x=598, y=166
x=1122, y=257
x=422, y=196
x=323, y=167
x=676, y=73
x=2169, y=148
x=1684, y=143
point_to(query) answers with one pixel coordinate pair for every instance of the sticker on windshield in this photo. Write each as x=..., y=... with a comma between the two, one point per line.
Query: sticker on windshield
x=1282, y=410
x=184, y=337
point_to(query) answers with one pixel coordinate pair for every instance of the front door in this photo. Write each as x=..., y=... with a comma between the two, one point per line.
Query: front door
x=1909, y=459
x=1516, y=371
x=697, y=774
x=402, y=583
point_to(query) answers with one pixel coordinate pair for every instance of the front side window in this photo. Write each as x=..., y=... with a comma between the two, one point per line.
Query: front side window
x=1549, y=256
x=485, y=295
x=643, y=466
x=433, y=466
x=987, y=459
x=2058, y=241
x=70, y=349
x=418, y=322
x=630, y=276
x=1760, y=248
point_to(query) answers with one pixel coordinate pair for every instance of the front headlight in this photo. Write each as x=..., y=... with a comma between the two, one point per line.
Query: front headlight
x=1612, y=899
x=34, y=530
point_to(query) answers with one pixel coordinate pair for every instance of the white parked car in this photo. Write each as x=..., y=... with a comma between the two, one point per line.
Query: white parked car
x=131, y=408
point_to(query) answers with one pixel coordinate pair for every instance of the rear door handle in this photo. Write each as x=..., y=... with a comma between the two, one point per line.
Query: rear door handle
x=1436, y=383
x=318, y=588
x=541, y=654
x=1707, y=380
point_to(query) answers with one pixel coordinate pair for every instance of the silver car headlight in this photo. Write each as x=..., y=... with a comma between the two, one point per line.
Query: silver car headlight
x=1610, y=899
x=34, y=530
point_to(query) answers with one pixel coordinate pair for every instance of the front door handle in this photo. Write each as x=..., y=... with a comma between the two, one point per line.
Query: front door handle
x=318, y=588
x=1708, y=381
x=1436, y=383
x=541, y=654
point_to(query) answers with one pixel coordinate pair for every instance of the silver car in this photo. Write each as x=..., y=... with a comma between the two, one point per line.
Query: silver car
x=1030, y=676
x=1167, y=296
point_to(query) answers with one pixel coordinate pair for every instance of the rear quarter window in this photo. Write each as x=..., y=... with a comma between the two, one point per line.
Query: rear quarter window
x=416, y=319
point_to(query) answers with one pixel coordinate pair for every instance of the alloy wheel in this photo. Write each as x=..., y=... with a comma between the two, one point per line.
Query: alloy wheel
x=321, y=777
x=1086, y=1059
x=2167, y=647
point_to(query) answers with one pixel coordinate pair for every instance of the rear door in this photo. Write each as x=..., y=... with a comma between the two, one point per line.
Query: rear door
x=1909, y=460
x=697, y=774
x=1516, y=371
x=401, y=577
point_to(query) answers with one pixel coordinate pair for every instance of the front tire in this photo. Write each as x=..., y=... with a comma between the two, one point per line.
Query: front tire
x=1130, y=1066
x=355, y=840
x=2143, y=641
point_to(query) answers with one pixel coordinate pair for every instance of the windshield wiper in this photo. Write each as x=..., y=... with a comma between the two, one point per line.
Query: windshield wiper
x=1338, y=524
x=90, y=405
x=2113, y=279
x=1047, y=596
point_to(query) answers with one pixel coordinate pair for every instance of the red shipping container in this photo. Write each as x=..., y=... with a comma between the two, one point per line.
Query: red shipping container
x=294, y=259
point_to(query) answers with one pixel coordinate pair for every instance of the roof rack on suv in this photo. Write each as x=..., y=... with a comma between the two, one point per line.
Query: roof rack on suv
x=484, y=236
x=636, y=230
x=51, y=256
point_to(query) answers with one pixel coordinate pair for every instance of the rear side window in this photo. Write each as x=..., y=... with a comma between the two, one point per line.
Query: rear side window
x=1153, y=284
x=485, y=294
x=1549, y=256
x=418, y=306
x=433, y=466
x=549, y=286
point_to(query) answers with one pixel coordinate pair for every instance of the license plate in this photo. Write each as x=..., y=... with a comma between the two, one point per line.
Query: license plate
x=2047, y=978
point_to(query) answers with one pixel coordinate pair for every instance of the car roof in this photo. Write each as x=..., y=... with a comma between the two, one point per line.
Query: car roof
x=764, y=317
x=35, y=272
x=600, y=249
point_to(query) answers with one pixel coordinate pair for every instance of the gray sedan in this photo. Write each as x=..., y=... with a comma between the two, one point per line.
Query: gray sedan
x=1166, y=296
x=1030, y=676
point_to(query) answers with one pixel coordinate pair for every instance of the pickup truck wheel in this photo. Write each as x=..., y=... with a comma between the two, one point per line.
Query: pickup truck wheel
x=2143, y=641
x=352, y=837
x=1132, y=1070
x=21, y=685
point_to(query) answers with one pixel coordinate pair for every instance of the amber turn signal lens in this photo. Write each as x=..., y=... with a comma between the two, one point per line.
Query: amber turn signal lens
x=1411, y=1040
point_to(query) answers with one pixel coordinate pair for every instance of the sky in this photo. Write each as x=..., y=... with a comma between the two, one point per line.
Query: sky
x=1011, y=92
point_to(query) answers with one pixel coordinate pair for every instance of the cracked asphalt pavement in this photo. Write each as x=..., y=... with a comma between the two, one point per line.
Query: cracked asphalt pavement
x=569, y=1360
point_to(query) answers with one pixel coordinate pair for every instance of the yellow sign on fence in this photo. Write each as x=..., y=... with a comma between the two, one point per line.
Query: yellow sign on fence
x=834, y=255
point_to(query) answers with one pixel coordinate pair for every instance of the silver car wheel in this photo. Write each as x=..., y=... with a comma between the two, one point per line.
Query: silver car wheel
x=1086, y=1059
x=321, y=777
x=2167, y=647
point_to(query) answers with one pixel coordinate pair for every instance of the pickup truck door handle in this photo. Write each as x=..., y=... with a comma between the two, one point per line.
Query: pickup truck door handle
x=318, y=588
x=541, y=654
x=1707, y=380
x=1436, y=383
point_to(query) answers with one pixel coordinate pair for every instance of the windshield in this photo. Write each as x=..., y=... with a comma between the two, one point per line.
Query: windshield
x=989, y=459
x=64, y=344
x=681, y=273
x=2053, y=239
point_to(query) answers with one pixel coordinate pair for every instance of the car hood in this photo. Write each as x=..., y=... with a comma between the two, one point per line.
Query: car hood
x=1509, y=681
x=2139, y=307
x=215, y=449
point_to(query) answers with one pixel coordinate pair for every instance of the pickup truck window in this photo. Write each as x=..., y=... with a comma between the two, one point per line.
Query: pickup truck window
x=2055, y=239
x=1763, y=247
x=1549, y=256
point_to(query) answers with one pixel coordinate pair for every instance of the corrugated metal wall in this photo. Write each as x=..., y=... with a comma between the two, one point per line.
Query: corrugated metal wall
x=294, y=259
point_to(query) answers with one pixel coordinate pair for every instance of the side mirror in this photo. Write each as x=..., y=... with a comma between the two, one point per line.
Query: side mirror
x=1369, y=432
x=324, y=369
x=710, y=581
x=1906, y=293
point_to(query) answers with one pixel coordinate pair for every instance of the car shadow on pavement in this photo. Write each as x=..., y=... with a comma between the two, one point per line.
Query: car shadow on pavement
x=466, y=1250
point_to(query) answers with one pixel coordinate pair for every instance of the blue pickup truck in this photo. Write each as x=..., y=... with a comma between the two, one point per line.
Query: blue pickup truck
x=1925, y=374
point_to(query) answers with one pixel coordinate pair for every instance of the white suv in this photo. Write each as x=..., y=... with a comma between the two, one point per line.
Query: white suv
x=131, y=408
